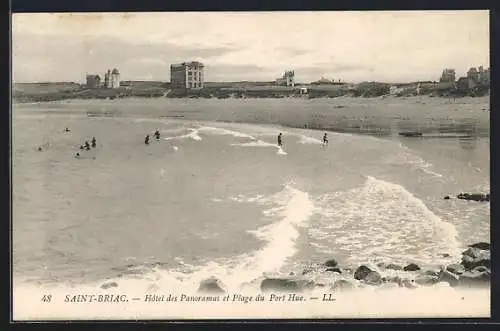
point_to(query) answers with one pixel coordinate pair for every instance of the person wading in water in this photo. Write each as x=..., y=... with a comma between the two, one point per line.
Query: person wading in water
x=146, y=140
x=93, y=142
x=157, y=135
x=280, y=143
x=325, y=140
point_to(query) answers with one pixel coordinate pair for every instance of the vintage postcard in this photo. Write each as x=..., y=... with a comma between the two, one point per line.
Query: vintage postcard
x=244, y=165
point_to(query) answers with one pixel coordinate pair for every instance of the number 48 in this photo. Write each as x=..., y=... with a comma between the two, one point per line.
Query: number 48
x=46, y=298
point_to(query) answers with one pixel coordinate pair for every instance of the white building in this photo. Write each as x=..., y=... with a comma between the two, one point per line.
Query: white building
x=288, y=79
x=112, y=79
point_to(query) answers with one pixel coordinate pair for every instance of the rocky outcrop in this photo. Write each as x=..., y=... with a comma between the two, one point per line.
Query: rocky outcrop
x=367, y=275
x=480, y=197
x=455, y=268
x=475, y=257
x=286, y=284
x=331, y=263
x=411, y=267
x=474, y=278
x=481, y=245
x=211, y=285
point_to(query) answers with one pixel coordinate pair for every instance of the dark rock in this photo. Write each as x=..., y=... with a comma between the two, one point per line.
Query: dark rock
x=211, y=285
x=362, y=272
x=481, y=245
x=474, y=279
x=369, y=276
x=331, y=263
x=286, y=284
x=447, y=197
x=474, y=257
x=426, y=280
x=342, y=285
x=109, y=285
x=446, y=255
x=474, y=197
x=456, y=269
x=334, y=270
x=373, y=278
x=481, y=269
x=392, y=266
x=411, y=267
x=448, y=277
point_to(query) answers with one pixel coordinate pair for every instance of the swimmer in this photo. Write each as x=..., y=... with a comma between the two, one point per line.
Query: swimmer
x=77, y=155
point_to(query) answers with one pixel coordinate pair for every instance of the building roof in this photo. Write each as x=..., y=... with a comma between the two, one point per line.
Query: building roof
x=189, y=64
x=94, y=76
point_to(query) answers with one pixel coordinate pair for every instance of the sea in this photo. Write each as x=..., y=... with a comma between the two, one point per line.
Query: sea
x=220, y=199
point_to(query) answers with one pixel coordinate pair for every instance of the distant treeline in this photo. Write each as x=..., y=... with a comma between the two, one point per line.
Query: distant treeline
x=40, y=92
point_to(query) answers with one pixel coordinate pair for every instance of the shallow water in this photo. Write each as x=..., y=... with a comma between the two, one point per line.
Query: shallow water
x=215, y=199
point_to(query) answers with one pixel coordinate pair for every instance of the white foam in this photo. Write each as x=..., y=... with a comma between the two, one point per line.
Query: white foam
x=407, y=157
x=193, y=135
x=176, y=148
x=221, y=131
x=261, y=143
x=286, y=211
x=309, y=140
x=258, y=143
x=281, y=151
x=384, y=215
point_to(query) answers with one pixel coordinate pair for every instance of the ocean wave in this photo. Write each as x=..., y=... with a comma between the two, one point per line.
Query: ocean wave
x=193, y=135
x=406, y=156
x=372, y=220
x=285, y=210
x=261, y=143
x=221, y=131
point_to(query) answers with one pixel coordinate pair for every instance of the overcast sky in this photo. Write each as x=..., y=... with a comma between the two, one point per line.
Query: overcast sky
x=351, y=46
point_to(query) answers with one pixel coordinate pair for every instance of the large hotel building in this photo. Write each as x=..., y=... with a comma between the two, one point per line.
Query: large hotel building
x=187, y=75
